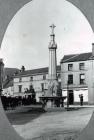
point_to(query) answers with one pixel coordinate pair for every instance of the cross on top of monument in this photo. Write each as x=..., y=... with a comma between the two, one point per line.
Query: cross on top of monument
x=52, y=27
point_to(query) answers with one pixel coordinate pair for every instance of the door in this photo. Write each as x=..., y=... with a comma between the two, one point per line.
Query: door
x=71, y=97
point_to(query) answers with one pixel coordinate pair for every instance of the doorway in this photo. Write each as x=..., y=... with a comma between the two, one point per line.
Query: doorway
x=71, y=97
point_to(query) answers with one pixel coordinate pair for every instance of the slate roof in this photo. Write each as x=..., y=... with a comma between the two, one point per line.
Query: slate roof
x=35, y=71
x=76, y=57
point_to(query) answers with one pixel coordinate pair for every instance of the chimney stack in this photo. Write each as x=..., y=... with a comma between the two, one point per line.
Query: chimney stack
x=93, y=49
x=22, y=69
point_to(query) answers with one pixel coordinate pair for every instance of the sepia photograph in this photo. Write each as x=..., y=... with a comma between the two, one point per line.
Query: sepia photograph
x=47, y=70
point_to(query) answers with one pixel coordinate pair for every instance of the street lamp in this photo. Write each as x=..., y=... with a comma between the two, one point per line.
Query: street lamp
x=67, y=94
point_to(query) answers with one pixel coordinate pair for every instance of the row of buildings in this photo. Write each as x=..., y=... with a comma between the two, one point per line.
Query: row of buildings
x=74, y=74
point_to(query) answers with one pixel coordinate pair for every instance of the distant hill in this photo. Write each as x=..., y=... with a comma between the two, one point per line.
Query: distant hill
x=10, y=71
x=8, y=76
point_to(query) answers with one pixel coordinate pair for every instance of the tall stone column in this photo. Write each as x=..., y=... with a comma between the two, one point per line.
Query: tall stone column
x=52, y=56
x=52, y=73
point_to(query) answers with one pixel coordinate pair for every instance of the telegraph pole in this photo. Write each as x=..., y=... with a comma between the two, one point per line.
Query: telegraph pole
x=67, y=94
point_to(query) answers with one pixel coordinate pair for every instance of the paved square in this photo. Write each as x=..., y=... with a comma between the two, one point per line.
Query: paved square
x=52, y=125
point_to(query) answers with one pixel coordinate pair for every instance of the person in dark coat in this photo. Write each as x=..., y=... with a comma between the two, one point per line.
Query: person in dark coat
x=81, y=99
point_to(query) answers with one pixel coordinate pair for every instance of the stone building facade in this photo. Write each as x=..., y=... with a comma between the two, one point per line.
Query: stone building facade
x=77, y=76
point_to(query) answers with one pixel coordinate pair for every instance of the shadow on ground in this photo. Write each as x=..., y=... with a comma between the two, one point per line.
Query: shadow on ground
x=24, y=115
x=17, y=117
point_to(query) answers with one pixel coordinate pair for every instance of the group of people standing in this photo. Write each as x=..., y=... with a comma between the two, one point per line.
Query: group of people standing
x=13, y=102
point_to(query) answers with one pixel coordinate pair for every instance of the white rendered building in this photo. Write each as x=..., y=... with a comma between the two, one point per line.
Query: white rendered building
x=36, y=77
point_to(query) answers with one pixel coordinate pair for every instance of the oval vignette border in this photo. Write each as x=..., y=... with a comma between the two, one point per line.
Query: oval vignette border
x=8, y=8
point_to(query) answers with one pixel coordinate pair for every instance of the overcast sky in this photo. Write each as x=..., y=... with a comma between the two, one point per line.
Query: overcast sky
x=28, y=35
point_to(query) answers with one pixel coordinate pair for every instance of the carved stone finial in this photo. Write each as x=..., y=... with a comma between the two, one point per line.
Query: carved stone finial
x=52, y=27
